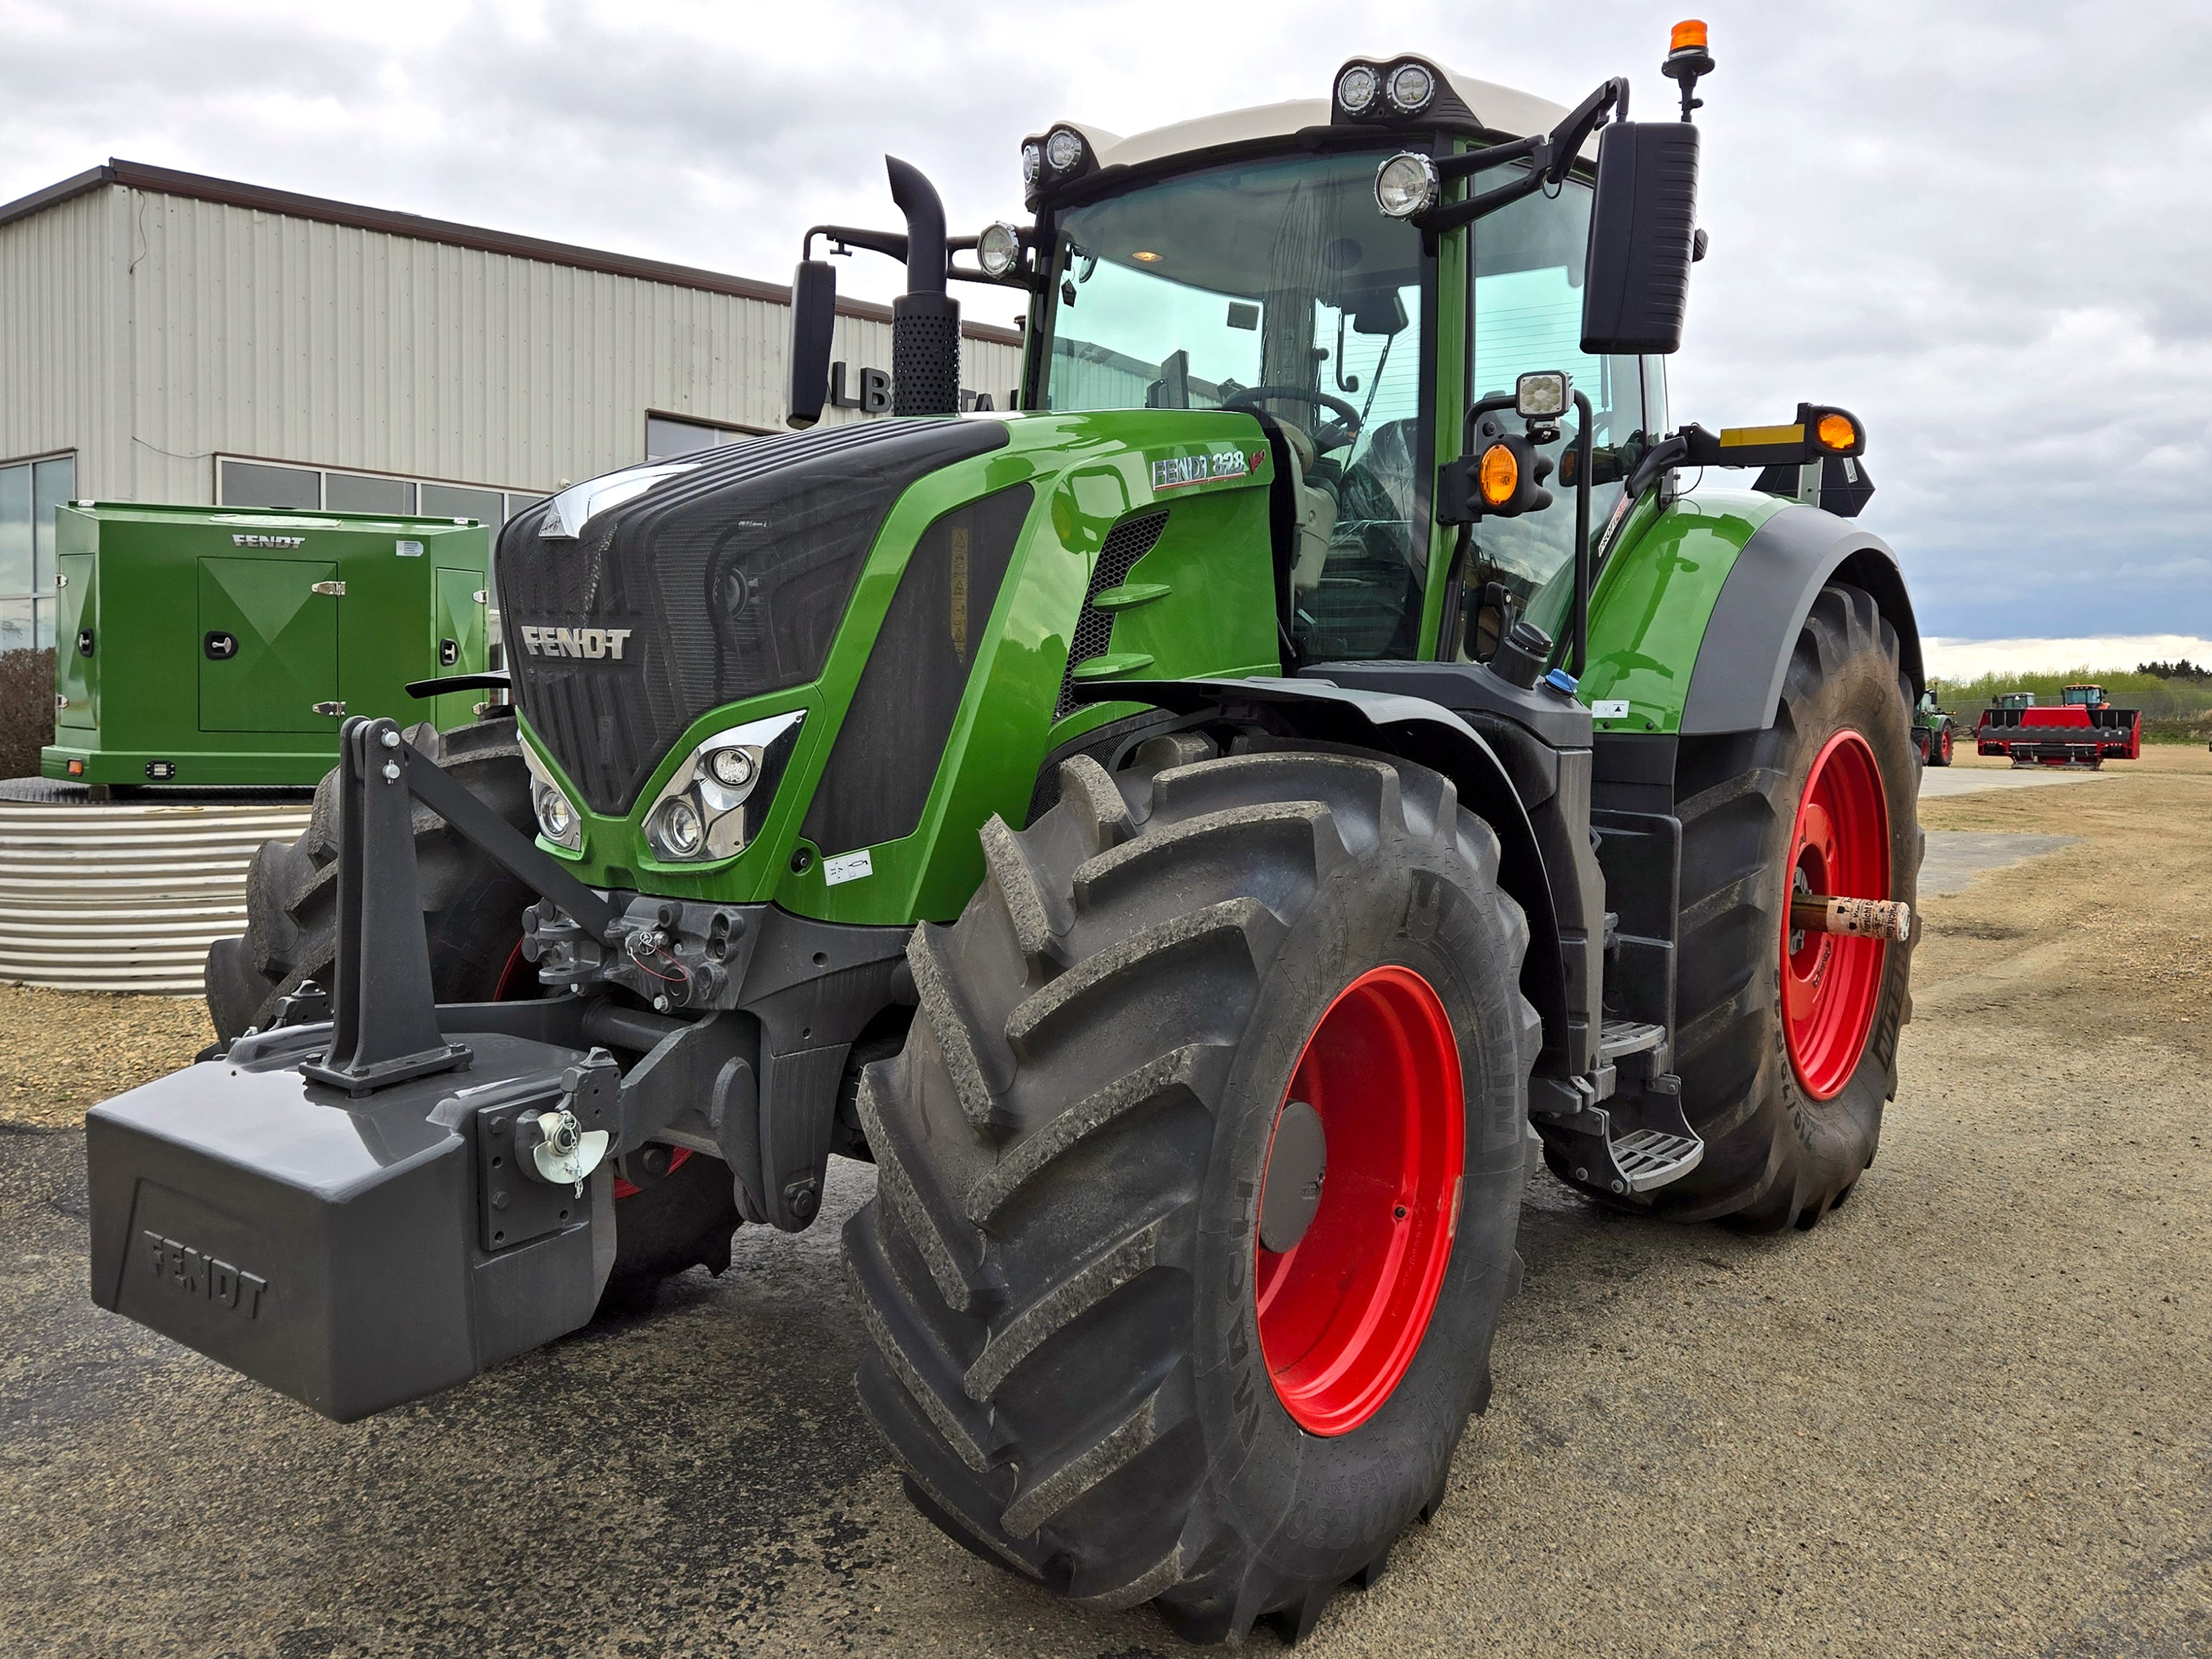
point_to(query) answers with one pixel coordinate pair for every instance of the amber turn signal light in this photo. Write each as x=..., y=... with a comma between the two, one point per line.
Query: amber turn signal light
x=1835, y=432
x=1500, y=477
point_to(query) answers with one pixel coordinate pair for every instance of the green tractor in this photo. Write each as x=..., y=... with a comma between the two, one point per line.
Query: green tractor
x=1202, y=835
x=1934, y=730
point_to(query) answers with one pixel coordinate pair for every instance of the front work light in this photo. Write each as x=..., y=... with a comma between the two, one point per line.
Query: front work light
x=734, y=768
x=1406, y=184
x=1541, y=396
x=1356, y=89
x=1032, y=163
x=1063, y=149
x=998, y=249
x=1411, y=86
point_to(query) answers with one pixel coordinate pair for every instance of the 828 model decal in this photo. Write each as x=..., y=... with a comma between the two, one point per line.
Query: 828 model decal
x=1180, y=472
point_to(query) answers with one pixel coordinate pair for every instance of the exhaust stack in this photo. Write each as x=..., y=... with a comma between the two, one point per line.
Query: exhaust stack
x=925, y=319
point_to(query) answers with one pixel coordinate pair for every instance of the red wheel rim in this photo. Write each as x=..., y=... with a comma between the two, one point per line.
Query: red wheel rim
x=1947, y=748
x=1343, y=1311
x=1839, y=846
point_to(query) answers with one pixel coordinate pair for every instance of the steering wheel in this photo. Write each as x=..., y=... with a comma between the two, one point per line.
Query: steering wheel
x=1328, y=437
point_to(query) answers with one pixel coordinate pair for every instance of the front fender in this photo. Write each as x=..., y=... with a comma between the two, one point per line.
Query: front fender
x=1416, y=730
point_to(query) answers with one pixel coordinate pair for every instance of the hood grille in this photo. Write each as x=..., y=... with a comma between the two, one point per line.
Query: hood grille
x=724, y=581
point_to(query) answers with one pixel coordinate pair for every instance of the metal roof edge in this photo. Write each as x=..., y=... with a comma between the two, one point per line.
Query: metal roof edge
x=39, y=200
x=169, y=181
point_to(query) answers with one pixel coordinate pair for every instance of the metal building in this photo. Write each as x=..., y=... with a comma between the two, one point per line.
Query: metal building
x=166, y=337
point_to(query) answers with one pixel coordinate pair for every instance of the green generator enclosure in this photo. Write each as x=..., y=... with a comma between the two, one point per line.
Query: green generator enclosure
x=206, y=644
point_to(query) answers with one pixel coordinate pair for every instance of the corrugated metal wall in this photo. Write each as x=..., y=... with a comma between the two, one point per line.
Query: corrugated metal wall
x=153, y=331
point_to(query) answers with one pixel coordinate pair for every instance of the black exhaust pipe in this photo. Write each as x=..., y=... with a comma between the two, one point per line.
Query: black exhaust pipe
x=925, y=319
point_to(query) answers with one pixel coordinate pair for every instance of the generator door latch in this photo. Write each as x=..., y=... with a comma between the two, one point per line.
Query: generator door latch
x=449, y=652
x=335, y=590
x=219, y=646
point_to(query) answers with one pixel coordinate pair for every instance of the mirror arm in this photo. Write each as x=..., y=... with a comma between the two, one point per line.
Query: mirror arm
x=845, y=237
x=1549, y=157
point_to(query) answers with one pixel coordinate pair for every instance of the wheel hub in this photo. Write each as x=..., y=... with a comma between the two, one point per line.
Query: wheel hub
x=1359, y=1200
x=1838, y=847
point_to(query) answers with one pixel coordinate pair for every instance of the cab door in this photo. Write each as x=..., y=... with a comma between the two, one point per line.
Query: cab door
x=76, y=640
x=268, y=645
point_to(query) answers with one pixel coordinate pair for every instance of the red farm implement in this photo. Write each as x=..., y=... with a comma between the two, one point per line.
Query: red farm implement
x=2085, y=730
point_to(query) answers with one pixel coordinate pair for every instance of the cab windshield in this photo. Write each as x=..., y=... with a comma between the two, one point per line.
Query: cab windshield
x=1272, y=285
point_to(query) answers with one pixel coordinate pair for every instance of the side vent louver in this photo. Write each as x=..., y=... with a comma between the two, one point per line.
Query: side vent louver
x=1127, y=543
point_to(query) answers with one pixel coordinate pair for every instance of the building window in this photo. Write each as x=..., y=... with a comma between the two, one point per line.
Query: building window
x=30, y=490
x=669, y=436
x=355, y=492
x=327, y=489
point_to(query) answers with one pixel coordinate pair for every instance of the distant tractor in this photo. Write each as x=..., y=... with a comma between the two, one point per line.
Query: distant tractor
x=1934, y=730
x=2085, y=731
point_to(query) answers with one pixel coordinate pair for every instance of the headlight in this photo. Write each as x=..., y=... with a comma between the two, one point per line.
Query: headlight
x=1411, y=86
x=1063, y=149
x=998, y=249
x=1356, y=89
x=1406, y=184
x=714, y=803
x=681, y=831
x=556, y=815
x=1032, y=163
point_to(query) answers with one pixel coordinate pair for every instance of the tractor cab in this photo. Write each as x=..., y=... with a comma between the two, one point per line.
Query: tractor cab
x=2084, y=697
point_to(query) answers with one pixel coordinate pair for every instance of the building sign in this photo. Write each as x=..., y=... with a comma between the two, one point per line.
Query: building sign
x=869, y=391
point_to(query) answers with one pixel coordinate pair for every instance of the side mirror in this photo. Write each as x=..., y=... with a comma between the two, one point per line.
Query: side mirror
x=813, y=314
x=1643, y=236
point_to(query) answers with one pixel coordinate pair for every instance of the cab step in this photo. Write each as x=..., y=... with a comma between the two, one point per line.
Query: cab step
x=1633, y=1144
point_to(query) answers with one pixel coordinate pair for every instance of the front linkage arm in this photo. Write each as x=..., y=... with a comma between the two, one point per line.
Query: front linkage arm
x=384, y=1018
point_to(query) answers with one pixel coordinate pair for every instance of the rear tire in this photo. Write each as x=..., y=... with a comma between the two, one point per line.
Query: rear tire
x=472, y=920
x=1776, y=1155
x=1940, y=750
x=1059, y=1268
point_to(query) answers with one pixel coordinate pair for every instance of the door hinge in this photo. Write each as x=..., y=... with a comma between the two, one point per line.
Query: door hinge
x=330, y=708
x=335, y=590
x=482, y=594
x=61, y=580
x=60, y=702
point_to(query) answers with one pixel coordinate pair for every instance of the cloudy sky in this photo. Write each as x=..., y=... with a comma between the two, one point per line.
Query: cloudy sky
x=1981, y=226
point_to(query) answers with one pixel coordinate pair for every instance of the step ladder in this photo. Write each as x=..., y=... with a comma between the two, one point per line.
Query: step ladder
x=1635, y=1142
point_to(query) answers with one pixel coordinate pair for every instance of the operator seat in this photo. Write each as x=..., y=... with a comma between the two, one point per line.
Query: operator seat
x=1316, y=506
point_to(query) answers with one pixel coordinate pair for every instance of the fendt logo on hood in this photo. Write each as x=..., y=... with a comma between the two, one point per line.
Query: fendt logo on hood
x=592, y=644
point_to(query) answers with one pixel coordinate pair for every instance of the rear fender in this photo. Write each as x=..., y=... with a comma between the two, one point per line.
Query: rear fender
x=1736, y=685
x=1426, y=734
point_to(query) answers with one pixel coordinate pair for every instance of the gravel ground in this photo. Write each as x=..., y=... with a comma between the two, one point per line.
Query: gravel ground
x=1964, y=1415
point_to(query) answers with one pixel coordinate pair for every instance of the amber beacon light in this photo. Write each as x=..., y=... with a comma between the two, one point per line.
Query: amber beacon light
x=1837, y=432
x=1500, y=477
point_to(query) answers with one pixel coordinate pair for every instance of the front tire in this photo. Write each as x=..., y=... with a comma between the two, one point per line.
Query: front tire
x=1786, y=1089
x=1062, y=1271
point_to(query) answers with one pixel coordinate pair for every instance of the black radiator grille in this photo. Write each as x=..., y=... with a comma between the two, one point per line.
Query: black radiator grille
x=892, y=743
x=1127, y=543
x=729, y=580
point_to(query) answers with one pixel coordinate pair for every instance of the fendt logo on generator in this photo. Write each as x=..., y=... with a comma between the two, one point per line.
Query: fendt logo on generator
x=590, y=644
x=268, y=541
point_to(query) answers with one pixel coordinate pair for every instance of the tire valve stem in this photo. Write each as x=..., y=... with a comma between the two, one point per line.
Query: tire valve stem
x=1816, y=913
